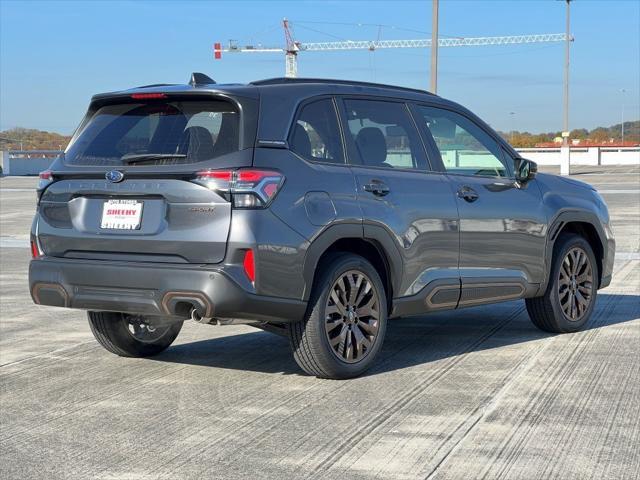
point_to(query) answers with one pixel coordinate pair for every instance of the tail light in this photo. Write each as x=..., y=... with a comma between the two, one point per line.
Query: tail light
x=245, y=188
x=45, y=179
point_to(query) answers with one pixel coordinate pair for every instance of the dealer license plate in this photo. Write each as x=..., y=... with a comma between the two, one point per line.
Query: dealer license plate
x=121, y=214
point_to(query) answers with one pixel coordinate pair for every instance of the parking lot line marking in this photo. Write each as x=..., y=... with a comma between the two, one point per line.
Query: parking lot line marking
x=14, y=242
x=627, y=256
x=609, y=192
x=605, y=174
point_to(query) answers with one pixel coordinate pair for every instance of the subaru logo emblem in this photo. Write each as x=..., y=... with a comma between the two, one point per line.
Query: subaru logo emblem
x=114, y=176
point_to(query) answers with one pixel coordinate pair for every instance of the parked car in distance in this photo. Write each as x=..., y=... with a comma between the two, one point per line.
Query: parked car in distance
x=317, y=209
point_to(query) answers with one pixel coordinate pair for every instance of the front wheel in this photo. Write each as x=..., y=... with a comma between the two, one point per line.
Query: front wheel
x=132, y=335
x=346, y=320
x=571, y=291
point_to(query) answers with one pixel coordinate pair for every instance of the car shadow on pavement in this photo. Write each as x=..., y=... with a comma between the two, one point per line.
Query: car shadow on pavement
x=409, y=341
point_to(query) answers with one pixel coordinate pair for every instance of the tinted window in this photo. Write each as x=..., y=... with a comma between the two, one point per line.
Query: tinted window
x=384, y=135
x=181, y=132
x=316, y=135
x=464, y=147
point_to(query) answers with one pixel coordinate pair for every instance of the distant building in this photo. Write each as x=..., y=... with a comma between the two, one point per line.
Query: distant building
x=579, y=142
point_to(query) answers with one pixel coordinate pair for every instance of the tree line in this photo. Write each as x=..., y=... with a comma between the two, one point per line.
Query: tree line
x=32, y=139
x=612, y=134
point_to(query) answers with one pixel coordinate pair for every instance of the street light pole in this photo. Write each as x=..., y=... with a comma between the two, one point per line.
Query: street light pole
x=566, y=151
x=434, y=46
x=565, y=124
x=622, y=90
x=511, y=114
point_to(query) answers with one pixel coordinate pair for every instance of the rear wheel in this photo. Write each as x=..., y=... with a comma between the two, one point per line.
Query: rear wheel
x=571, y=291
x=346, y=320
x=132, y=335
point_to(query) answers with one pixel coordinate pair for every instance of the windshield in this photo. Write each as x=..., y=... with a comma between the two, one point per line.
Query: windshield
x=158, y=133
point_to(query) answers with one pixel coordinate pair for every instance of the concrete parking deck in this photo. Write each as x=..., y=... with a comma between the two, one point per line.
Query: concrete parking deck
x=476, y=393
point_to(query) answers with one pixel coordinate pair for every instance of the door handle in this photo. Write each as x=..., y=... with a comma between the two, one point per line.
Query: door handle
x=468, y=194
x=376, y=187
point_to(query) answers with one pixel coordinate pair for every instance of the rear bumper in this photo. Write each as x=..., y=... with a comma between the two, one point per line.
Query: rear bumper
x=152, y=289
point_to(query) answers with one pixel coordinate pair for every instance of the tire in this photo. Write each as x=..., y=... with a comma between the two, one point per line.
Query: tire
x=355, y=324
x=114, y=332
x=557, y=311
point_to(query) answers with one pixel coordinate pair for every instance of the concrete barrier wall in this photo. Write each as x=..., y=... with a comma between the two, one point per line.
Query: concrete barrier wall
x=19, y=165
x=33, y=162
x=542, y=156
x=584, y=155
x=615, y=156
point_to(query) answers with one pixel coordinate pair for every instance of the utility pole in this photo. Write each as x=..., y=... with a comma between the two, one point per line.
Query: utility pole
x=565, y=160
x=622, y=91
x=511, y=115
x=434, y=46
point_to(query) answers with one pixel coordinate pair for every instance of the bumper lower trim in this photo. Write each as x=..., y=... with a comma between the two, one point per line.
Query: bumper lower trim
x=154, y=289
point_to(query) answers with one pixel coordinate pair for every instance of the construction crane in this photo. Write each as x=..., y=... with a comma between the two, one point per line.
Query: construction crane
x=293, y=47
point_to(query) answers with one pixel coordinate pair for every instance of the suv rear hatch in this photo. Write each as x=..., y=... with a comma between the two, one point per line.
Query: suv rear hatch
x=126, y=187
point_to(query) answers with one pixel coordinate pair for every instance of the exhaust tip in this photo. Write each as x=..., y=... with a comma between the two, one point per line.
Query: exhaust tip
x=195, y=315
x=184, y=303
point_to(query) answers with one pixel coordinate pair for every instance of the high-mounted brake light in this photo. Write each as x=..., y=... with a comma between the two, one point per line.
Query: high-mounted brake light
x=147, y=96
x=245, y=188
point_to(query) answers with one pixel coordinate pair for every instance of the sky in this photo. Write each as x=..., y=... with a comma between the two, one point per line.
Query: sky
x=55, y=54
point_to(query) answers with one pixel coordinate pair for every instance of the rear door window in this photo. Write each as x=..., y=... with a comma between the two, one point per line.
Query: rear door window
x=384, y=135
x=158, y=133
x=315, y=135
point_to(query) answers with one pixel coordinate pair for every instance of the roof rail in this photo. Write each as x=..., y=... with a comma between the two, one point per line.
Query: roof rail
x=284, y=80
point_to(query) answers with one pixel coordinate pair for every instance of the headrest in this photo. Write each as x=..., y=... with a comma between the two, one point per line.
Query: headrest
x=200, y=143
x=300, y=142
x=372, y=146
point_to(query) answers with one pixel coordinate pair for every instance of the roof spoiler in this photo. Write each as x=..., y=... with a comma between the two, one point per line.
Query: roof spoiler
x=200, y=79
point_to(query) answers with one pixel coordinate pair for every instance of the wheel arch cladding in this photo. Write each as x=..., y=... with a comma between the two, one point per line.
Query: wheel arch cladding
x=370, y=250
x=590, y=234
x=585, y=224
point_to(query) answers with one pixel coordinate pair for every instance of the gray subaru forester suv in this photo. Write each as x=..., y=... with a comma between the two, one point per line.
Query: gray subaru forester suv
x=313, y=208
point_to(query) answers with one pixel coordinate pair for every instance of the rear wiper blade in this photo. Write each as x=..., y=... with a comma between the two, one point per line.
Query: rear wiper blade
x=143, y=157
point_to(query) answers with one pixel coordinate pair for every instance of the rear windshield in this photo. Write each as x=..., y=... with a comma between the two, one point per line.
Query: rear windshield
x=157, y=133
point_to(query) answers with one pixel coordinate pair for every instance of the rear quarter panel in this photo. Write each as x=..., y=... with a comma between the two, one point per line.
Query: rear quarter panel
x=315, y=197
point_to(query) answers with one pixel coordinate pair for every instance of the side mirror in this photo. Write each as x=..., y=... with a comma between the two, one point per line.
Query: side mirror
x=525, y=169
